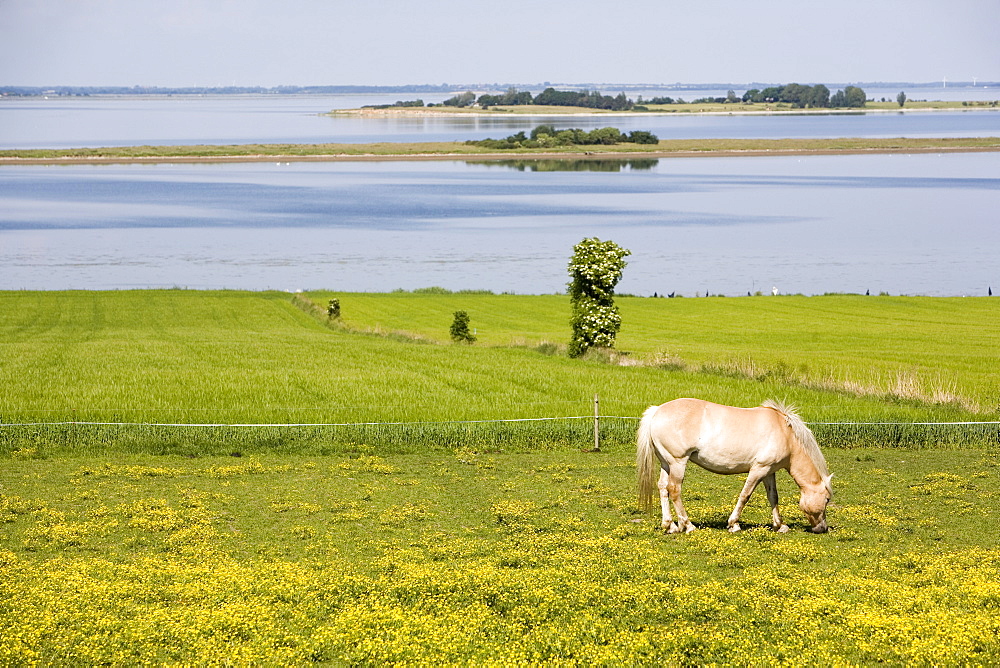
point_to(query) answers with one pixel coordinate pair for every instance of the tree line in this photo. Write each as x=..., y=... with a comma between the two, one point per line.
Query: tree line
x=801, y=97
x=797, y=95
x=550, y=97
x=547, y=136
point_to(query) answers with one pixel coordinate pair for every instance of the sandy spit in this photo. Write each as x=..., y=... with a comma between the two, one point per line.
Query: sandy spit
x=478, y=157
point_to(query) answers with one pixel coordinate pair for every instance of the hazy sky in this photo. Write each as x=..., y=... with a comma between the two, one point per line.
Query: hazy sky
x=391, y=42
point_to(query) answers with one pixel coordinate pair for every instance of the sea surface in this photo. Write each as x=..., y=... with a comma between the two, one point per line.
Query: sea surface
x=900, y=224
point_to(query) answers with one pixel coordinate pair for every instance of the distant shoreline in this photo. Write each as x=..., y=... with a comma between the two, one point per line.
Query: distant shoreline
x=687, y=109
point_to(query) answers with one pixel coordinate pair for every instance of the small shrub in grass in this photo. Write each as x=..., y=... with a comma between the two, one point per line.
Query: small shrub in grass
x=460, y=328
x=548, y=348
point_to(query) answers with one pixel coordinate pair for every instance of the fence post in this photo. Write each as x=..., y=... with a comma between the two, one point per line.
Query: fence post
x=597, y=424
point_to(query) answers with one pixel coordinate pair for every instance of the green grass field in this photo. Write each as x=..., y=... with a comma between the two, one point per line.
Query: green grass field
x=177, y=356
x=451, y=543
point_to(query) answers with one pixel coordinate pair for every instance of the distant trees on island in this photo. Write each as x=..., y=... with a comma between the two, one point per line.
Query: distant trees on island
x=396, y=105
x=587, y=99
x=796, y=95
x=550, y=97
x=547, y=136
x=801, y=97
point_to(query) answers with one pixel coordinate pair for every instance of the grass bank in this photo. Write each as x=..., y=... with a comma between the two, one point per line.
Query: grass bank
x=460, y=150
x=464, y=557
x=223, y=359
x=935, y=349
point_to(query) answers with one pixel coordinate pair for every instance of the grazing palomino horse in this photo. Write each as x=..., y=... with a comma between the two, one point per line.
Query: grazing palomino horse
x=723, y=439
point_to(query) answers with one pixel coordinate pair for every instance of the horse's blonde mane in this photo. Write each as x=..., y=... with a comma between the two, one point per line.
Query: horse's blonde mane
x=804, y=436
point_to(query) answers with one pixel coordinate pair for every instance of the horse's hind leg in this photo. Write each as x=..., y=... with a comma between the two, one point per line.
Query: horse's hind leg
x=674, y=480
x=667, y=523
x=771, y=485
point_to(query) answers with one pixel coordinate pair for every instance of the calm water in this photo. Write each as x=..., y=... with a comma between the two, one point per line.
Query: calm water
x=910, y=224
x=95, y=121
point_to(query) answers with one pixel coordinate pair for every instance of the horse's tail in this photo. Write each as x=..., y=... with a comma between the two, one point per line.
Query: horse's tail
x=806, y=440
x=645, y=461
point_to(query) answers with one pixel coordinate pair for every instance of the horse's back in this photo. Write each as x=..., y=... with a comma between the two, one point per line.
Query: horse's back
x=683, y=410
x=689, y=414
x=721, y=438
x=679, y=423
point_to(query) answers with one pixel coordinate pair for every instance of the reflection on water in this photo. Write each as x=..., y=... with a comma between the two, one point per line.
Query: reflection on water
x=581, y=165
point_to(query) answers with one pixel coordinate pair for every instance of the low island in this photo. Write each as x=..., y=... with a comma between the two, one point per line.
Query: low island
x=788, y=98
x=663, y=148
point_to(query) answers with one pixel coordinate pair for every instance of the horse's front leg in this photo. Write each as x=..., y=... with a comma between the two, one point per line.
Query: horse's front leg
x=771, y=485
x=753, y=479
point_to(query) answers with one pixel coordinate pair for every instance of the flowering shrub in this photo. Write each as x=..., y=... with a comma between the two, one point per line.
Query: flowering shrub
x=595, y=268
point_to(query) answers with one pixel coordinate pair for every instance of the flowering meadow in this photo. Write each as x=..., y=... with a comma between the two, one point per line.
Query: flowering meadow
x=467, y=557
x=158, y=507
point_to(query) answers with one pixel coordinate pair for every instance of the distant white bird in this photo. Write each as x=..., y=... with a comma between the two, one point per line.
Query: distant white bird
x=774, y=291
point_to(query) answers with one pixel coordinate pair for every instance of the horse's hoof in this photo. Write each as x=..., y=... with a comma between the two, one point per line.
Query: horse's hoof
x=735, y=528
x=782, y=529
x=690, y=528
x=673, y=528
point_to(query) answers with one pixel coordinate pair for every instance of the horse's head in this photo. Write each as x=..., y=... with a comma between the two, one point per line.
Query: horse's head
x=813, y=501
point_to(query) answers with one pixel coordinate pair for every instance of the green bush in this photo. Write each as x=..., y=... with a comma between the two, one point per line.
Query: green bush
x=460, y=328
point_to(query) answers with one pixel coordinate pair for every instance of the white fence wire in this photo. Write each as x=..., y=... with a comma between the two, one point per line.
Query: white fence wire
x=430, y=422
